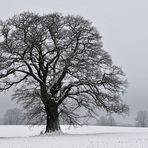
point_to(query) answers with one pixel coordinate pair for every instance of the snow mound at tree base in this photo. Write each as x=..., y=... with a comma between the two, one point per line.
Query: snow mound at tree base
x=59, y=132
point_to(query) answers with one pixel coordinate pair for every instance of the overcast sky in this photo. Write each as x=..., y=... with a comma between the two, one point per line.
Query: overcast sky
x=123, y=24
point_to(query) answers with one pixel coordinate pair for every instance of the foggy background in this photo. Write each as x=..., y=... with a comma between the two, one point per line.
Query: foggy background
x=123, y=25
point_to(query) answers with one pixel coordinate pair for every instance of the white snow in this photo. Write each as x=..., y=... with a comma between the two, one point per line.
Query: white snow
x=78, y=137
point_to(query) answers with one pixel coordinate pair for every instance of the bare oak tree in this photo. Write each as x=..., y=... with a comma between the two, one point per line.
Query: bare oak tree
x=57, y=65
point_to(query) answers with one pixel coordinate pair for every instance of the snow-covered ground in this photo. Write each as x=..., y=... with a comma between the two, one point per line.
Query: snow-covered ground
x=78, y=137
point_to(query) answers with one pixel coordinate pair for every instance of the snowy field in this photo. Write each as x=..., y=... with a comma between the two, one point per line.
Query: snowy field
x=78, y=137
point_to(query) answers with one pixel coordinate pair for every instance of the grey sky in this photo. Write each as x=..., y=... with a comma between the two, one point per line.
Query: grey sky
x=123, y=24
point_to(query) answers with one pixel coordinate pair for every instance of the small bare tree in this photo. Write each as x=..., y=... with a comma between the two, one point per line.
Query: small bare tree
x=111, y=121
x=13, y=117
x=107, y=120
x=142, y=119
x=57, y=65
x=103, y=121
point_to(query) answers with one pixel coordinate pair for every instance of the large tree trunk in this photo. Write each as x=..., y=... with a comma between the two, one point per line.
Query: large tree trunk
x=52, y=123
x=51, y=108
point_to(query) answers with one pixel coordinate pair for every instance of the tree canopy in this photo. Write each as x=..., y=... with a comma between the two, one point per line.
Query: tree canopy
x=58, y=65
